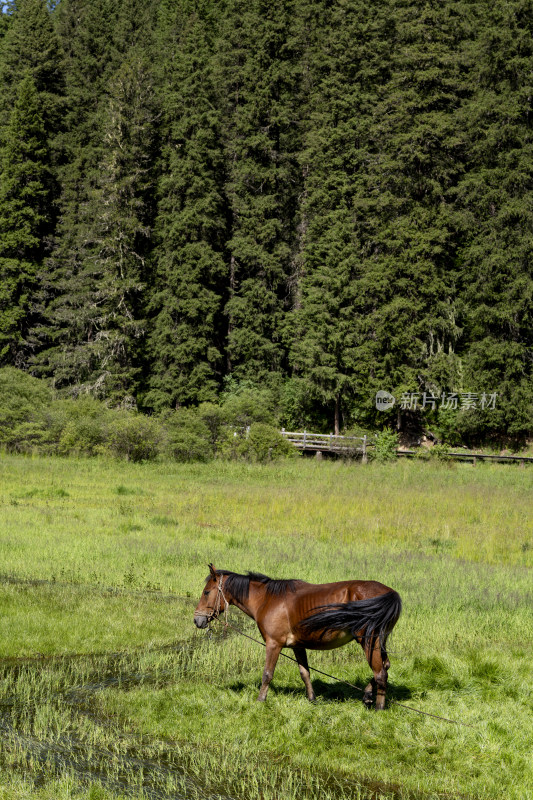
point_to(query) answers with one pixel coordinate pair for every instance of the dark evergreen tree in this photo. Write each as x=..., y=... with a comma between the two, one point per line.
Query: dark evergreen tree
x=337, y=196
x=101, y=38
x=99, y=315
x=32, y=45
x=256, y=87
x=495, y=197
x=409, y=222
x=186, y=343
x=26, y=192
x=345, y=67
x=4, y=22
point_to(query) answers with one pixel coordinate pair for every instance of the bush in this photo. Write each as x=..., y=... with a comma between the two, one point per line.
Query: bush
x=22, y=400
x=188, y=438
x=439, y=452
x=133, y=437
x=248, y=406
x=214, y=418
x=264, y=443
x=385, y=447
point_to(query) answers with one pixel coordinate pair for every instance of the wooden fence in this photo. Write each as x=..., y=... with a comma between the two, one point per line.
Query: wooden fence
x=329, y=443
x=473, y=457
x=358, y=447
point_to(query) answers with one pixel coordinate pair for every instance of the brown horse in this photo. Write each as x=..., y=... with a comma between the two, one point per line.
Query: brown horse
x=300, y=615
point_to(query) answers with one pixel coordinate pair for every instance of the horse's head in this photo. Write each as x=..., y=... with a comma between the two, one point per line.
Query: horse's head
x=212, y=601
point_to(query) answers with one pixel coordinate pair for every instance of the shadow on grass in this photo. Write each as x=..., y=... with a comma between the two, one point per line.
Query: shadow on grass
x=328, y=692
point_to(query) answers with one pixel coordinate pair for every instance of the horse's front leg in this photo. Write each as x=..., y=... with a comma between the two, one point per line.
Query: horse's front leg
x=273, y=649
x=303, y=666
x=367, y=696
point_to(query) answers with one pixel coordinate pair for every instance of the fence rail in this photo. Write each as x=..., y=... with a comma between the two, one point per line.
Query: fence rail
x=473, y=456
x=357, y=446
x=328, y=443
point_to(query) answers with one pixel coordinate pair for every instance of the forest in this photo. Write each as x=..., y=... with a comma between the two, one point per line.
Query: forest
x=316, y=199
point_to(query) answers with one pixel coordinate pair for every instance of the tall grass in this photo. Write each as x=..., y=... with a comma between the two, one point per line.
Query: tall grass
x=108, y=559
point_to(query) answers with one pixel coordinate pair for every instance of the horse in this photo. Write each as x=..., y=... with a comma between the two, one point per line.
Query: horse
x=306, y=616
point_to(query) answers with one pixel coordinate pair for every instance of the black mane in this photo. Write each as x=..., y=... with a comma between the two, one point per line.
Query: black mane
x=239, y=585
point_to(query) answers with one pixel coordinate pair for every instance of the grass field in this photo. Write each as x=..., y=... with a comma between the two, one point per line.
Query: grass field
x=107, y=690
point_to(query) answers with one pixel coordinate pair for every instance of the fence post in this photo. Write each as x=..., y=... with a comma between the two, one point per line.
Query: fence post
x=364, y=459
x=305, y=438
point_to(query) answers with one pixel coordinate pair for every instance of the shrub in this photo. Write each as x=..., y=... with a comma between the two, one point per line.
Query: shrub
x=187, y=437
x=439, y=452
x=131, y=436
x=265, y=443
x=22, y=400
x=248, y=406
x=385, y=447
x=214, y=418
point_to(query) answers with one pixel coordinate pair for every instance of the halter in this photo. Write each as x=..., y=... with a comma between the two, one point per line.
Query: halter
x=215, y=613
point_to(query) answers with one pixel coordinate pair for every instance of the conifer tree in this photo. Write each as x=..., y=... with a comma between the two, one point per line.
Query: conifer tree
x=256, y=81
x=335, y=195
x=328, y=347
x=31, y=50
x=101, y=38
x=32, y=45
x=495, y=198
x=186, y=341
x=100, y=312
x=415, y=318
x=26, y=192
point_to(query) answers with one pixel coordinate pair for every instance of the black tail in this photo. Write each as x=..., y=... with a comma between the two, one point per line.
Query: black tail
x=373, y=618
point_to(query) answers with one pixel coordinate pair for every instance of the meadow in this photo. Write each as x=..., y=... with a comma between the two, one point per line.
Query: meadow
x=107, y=690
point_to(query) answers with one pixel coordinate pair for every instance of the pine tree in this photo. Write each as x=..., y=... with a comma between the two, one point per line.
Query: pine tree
x=344, y=64
x=412, y=270
x=185, y=345
x=32, y=45
x=99, y=313
x=495, y=197
x=256, y=81
x=26, y=191
x=4, y=22
x=101, y=38
x=30, y=49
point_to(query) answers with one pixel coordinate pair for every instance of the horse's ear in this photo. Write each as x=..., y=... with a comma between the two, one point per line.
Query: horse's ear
x=212, y=570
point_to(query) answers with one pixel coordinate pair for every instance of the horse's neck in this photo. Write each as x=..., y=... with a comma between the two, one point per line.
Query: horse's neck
x=249, y=606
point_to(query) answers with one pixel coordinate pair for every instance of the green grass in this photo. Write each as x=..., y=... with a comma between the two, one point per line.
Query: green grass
x=102, y=563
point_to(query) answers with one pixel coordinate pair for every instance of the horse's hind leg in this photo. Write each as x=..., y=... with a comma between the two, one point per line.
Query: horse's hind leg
x=379, y=661
x=303, y=666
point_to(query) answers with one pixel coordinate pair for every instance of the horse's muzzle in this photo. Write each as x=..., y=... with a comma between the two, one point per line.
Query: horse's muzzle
x=200, y=620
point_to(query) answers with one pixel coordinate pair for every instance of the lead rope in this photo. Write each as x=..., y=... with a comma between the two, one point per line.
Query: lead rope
x=341, y=680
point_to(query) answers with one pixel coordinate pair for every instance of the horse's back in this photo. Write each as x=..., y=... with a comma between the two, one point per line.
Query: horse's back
x=309, y=597
x=315, y=594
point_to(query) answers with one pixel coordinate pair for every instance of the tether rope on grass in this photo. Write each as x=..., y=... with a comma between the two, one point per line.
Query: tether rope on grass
x=352, y=685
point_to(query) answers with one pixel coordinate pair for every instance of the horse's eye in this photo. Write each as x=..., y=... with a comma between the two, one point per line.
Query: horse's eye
x=206, y=591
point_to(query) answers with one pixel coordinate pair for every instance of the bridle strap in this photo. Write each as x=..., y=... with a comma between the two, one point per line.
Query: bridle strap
x=216, y=610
